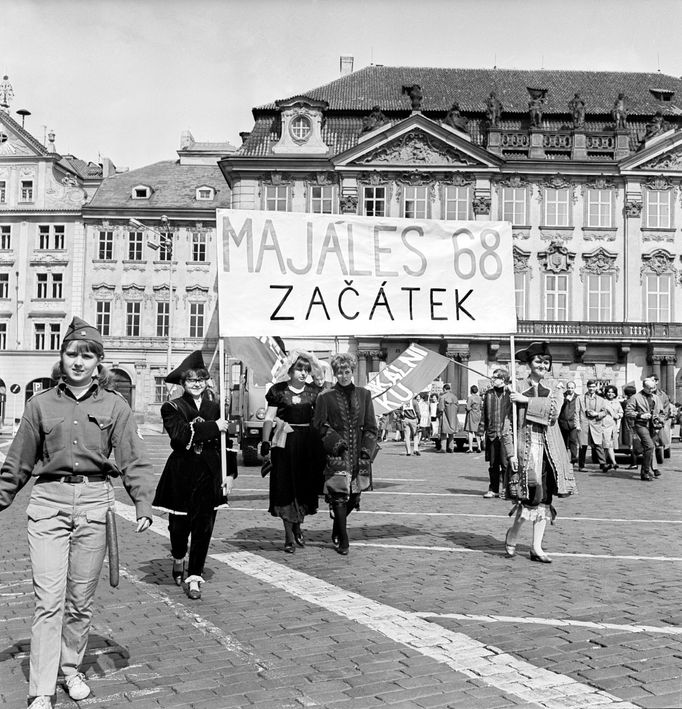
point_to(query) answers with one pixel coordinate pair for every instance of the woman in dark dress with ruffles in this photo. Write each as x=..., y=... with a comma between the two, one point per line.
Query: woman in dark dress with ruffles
x=191, y=488
x=295, y=452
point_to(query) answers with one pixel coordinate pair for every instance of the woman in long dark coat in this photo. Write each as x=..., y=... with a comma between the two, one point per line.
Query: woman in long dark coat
x=295, y=453
x=190, y=488
x=345, y=421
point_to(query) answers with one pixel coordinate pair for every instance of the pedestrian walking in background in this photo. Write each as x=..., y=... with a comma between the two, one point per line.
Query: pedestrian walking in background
x=190, y=488
x=628, y=438
x=539, y=457
x=295, y=451
x=410, y=418
x=611, y=425
x=591, y=415
x=344, y=419
x=435, y=420
x=569, y=420
x=645, y=411
x=447, y=410
x=421, y=402
x=399, y=425
x=664, y=435
x=472, y=421
x=496, y=418
x=64, y=441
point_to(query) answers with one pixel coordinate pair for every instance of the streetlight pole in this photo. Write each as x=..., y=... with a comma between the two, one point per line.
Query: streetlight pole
x=166, y=239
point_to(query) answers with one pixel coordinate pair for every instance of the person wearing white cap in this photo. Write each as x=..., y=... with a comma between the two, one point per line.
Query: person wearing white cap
x=64, y=441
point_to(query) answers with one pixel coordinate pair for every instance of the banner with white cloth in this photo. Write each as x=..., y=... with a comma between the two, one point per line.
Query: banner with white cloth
x=342, y=275
x=408, y=374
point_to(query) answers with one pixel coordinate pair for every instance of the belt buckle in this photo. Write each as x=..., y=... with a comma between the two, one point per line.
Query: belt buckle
x=74, y=478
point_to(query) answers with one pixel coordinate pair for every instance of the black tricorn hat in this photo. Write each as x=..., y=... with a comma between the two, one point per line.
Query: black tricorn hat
x=535, y=348
x=195, y=360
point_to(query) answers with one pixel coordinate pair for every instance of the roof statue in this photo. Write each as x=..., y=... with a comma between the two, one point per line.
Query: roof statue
x=656, y=126
x=577, y=108
x=6, y=94
x=619, y=112
x=535, y=108
x=375, y=119
x=493, y=109
x=455, y=119
x=416, y=96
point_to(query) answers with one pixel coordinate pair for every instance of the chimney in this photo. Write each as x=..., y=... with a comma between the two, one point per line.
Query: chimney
x=186, y=139
x=51, y=146
x=244, y=136
x=345, y=65
x=108, y=167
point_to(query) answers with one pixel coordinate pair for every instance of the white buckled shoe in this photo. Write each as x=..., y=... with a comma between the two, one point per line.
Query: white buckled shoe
x=41, y=702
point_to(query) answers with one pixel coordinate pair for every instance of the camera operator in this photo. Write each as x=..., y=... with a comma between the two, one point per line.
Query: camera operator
x=645, y=411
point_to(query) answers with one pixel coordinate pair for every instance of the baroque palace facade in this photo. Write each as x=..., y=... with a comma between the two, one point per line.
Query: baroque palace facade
x=587, y=167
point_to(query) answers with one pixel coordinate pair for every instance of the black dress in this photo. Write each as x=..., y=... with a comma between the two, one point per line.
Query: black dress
x=191, y=479
x=296, y=477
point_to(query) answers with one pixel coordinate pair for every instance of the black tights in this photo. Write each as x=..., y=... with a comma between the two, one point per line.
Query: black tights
x=200, y=526
x=341, y=508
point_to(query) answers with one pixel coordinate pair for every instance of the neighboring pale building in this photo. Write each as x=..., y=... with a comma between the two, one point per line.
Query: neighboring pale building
x=587, y=166
x=42, y=253
x=128, y=282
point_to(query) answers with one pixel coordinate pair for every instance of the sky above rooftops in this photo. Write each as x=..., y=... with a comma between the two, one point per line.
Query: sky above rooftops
x=123, y=78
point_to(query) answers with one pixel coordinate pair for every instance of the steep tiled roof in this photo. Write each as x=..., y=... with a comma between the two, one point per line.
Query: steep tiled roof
x=173, y=187
x=352, y=96
x=87, y=170
x=383, y=85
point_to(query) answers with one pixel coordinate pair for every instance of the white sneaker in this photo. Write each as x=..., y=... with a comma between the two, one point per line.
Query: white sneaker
x=76, y=687
x=490, y=494
x=41, y=702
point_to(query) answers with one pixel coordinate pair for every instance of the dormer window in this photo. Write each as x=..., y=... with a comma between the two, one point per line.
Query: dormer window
x=142, y=192
x=205, y=193
x=300, y=128
x=662, y=94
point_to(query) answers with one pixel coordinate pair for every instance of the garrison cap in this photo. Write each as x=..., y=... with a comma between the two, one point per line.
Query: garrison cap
x=80, y=330
x=195, y=360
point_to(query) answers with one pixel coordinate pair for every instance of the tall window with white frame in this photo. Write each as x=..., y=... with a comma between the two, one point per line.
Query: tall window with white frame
x=160, y=390
x=199, y=247
x=41, y=285
x=3, y=191
x=4, y=286
x=658, y=209
x=105, y=245
x=3, y=335
x=658, y=294
x=135, y=244
x=276, y=198
x=57, y=286
x=374, y=201
x=514, y=205
x=39, y=334
x=104, y=317
x=556, y=296
x=43, y=237
x=133, y=313
x=557, y=207
x=322, y=199
x=457, y=202
x=58, y=237
x=5, y=237
x=521, y=294
x=599, y=297
x=599, y=208
x=162, y=318
x=415, y=201
x=55, y=335
x=26, y=191
x=196, y=319
x=165, y=252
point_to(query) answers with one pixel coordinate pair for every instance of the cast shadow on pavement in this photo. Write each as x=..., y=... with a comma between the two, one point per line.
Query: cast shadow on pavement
x=486, y=543
x=102, y=656
x=158, y=572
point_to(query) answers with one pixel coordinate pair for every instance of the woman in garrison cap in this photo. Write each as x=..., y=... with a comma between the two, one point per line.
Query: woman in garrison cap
x=295, y=453
x=190, y=488
x=539, y=458
x=64, y=441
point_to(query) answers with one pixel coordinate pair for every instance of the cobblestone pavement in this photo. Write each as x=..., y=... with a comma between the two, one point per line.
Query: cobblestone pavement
x=426, y=611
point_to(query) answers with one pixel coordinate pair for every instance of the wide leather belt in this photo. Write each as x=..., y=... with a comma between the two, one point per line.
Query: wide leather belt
x=73, y=479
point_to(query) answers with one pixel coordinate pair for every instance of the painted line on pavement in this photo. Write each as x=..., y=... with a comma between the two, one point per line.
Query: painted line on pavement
x=557, y=622
x=479, y=515
x=471, y=658
x=461, y=550
x=463, y=654
x=179, y=609
x=122, y=697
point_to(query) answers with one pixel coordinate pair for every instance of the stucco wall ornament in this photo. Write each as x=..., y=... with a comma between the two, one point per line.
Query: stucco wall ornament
x=349, y=204
x=596, y=235
x=481, y=204
x=521, y=233
x=633, y=209
x=457, y=179
x=557, y=258
x=598, y=263
x=514, y=181
x=658, y=262
x=598, y=183
x=670, y=161
x=659, y=182
x=557, y=182
x=416, y=148
x=521, y=261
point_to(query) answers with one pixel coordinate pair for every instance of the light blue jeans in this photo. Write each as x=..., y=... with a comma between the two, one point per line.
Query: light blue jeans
x=67, y=543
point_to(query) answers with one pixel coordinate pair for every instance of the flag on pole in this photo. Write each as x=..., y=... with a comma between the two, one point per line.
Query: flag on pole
x=262, y=354
x=405, y=377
